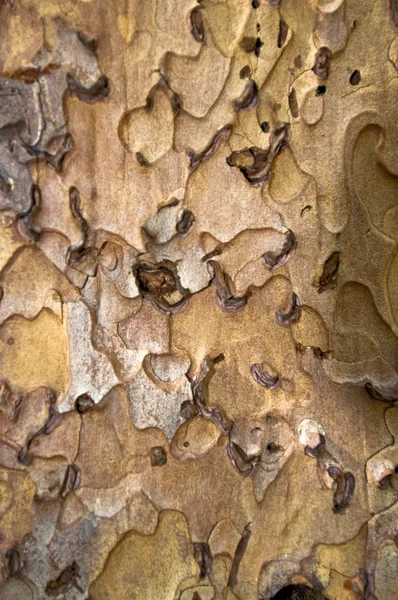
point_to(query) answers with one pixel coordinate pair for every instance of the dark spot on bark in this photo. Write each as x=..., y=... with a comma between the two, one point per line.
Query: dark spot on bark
x=186, y=222
x=320, y=90
x=382, y=397
x=267, y=381
x=90, y=44
x=258, y=46
x=319, y=450
x=5, y=187
x=292, y=315
x=197, y=24
x=84, y=403
x=226, y=298
x=149, y=101
x=298, y=592
x=28, y=230
x=175, y=104
x=249, y=97
x=328, y=277
x=54, y=419
x=174, y=99
x=273, y=448
x=368, y=580
x=64, y=581
x=355, y=77
x=9, y=399
x=239, y=554
x=293, y=104
x=255, y=163
x=264, y=127
x=141, y=159
x=245, y=72
x=321, y=67
x=386, y=482
x=159, y=283
x=196, y=158
x=305, y=209
x=283, y=31
x=98, y=91
x=158, y=456
x=13, y=562
x=203, y=557
x=256, y=3
x=271, y=420
x=345, y=486
x=273, y=259
x=298, y=62
x=199, y=385
x=188, y=410
x=241, y=461
x=81, y=252
x=71, y=481
x=216, y=252
x=55, y=161
x=196, y=596
x=75, y=206
x=248, y=44
x=170, y=204
x=252, y=45
x=219, y=358
x=319, y=353
x=394, y=11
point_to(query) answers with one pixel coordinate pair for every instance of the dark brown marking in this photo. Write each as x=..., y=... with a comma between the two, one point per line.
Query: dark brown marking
x=276, y=259
x=355, y=77
x=197, y=24
x=186, y=222
x=292, y=315
x=84, y=403
x=249, y=97
x=321, y=67
x=71, y=481
x=158, y=456
x=203, y=557
x=199, y=391
x=328, y=277
x=226, y=298
x=255, y=163
x=159, y=283
x=293, y=104
x=239, y=554
x=98, y=91
x=196, y=158
x=267, y=381
x=283, y=31
x=64, y=581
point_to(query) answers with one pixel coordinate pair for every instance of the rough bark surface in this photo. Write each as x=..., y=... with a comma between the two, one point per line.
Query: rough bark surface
x=199, y=299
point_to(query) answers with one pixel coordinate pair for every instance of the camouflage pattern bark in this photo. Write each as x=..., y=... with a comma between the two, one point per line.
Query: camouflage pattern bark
x=199, y=299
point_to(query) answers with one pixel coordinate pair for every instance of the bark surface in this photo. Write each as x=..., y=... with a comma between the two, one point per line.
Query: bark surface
x=198, y=299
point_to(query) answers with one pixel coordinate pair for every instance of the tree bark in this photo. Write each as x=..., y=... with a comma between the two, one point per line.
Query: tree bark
x=199, y=299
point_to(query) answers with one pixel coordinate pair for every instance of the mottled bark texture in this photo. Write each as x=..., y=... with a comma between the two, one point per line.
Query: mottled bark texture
x=198, y=299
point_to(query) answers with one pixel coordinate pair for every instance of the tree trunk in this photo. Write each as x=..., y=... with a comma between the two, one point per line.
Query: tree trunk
x=199, y=299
